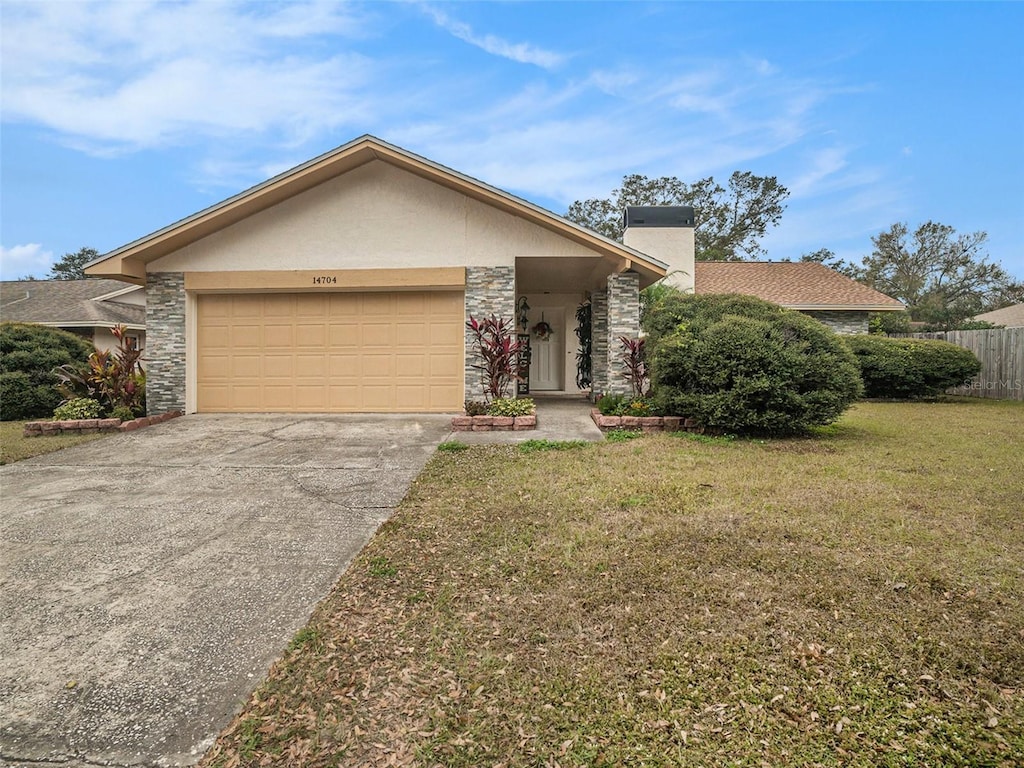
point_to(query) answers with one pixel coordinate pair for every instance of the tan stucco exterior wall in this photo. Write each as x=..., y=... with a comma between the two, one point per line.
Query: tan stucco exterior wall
x=374, y=216
x=672, y=245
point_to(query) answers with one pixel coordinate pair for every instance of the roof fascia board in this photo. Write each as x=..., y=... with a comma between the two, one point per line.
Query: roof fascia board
x=85, y=324
x=119, y=292
x=844, y=307
x=327, y=166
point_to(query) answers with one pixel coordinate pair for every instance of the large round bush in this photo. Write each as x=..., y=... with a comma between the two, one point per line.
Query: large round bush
x=747, y=366
x=910, y=368
x=28, y=355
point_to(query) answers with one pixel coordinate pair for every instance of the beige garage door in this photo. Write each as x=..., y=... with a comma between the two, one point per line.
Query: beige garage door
x=330, y=352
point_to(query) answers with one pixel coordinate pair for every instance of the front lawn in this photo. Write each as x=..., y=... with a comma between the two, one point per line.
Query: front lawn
x=15, y=447
x=854, y=599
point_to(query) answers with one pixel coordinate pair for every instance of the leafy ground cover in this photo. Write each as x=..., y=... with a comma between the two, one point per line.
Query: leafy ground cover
x=15, y=447
x=855, y=598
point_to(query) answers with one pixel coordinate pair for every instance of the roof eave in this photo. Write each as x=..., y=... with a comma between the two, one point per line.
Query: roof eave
x=843, y=307
x=128, y=262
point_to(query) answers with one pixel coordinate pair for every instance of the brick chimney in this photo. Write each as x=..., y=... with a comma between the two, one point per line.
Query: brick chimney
x=664, y=232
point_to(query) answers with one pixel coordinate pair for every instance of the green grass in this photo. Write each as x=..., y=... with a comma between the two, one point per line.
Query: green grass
x=15, y=447
x=851, y=599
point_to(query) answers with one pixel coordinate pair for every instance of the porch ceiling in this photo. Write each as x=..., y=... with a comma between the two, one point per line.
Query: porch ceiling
x=571, y=274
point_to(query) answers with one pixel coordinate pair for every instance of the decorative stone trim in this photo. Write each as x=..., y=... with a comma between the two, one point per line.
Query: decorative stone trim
x=493, y=423
x=623, y=320
x=92, y=426
x=165, y=342
x=645, y=423
x=489, y=291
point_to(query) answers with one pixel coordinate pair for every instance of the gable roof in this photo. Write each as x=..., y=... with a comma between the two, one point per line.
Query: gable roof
x=794, y=285
x=1011, y=317
x=128, y=262
x=69, y=303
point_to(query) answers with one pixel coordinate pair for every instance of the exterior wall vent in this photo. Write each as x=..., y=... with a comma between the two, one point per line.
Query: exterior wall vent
x=658, y=216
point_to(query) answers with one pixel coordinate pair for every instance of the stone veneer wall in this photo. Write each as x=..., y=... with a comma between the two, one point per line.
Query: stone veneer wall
x=623, y=320
x=489, y=291
x=842, y=321
x=165, y=342
x=599, y=341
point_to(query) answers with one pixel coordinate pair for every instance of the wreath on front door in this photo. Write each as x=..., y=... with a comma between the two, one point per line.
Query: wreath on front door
x=543, y=330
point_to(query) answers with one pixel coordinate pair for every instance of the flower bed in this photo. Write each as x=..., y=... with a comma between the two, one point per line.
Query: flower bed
x=493, y=423
x=92, y=426
x=645, y=423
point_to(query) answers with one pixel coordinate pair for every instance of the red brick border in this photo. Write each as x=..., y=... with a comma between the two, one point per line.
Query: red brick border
x=644, y=423
x=493, y=423
x=92, y=426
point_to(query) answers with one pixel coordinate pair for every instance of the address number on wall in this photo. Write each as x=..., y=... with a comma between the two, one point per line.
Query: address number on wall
x=324, y=280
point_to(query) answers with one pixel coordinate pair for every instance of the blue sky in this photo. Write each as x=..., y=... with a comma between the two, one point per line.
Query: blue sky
x=119, y=118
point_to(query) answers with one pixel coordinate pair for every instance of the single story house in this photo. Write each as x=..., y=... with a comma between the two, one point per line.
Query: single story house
x=87, y=308
x=344, y=285
x=1008, y=317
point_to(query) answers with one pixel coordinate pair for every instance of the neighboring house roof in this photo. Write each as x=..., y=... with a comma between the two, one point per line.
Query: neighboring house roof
x=795, y=285
x=128, y=262
x=69, y=303
x=1011, y=317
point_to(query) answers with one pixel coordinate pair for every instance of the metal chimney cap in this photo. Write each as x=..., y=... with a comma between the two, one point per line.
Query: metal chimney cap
x=674, y=216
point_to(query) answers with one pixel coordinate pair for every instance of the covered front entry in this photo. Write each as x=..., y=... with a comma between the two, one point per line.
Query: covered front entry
x=330, y=352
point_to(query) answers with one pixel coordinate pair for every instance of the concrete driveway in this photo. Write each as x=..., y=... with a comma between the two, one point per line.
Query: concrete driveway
x=148, y=580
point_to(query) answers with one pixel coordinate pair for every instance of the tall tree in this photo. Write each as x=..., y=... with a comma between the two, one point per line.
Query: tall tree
x=943, y=277
x=72, y=265
x=729, y=221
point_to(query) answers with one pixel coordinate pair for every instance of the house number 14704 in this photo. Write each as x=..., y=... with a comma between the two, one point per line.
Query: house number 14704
x=324, y=280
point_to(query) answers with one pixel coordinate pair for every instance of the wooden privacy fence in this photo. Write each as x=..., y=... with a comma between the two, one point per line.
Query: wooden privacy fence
x=1001, y=352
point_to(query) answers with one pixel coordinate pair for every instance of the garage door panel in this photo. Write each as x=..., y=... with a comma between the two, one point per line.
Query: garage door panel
x=330, y=352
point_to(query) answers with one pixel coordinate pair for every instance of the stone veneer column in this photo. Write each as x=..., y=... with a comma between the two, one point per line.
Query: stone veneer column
x=489, y=291
x=623, y=320
x=842, y=321
x=165, y=342
x=599, y=342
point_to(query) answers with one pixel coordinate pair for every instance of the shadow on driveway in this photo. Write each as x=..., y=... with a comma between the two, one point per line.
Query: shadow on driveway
x=148, y=580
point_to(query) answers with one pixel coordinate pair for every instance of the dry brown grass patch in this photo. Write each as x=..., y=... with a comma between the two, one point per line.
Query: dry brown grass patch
x=855, y=599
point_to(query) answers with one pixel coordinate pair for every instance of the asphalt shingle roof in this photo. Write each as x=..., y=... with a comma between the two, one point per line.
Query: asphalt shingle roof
x=67, y=303
x=797, y=285
x=1011, y=317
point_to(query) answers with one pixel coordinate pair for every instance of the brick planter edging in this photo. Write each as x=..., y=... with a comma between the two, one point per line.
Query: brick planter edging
x=92, y=426
x=493, y=423
x=645, y=423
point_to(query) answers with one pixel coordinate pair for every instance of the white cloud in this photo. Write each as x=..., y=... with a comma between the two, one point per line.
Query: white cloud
x=29, y=260
x=524, y=53
x=124, y=76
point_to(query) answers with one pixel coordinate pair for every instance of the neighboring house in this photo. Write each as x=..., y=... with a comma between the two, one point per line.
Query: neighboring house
x=344, y=285
x=826, y=295
x=1009, y=317
x=87, y=308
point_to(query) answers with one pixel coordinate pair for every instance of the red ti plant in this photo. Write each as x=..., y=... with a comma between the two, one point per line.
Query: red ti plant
x=498, y=348
x=634, y=360
x=115, y=378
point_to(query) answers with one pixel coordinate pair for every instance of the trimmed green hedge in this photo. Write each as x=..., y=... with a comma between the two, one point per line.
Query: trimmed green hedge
x=911, y=368
x=741, y=365
x=28, y=355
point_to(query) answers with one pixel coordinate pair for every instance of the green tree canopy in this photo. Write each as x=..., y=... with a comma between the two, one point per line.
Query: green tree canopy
x=72, y=265
x=729, y=221
x=943, y=277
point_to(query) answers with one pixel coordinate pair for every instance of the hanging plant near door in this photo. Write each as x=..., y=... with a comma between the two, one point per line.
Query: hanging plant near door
x=583, y=353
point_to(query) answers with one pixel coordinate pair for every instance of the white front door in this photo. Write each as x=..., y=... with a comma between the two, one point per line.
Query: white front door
x=546, y=363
